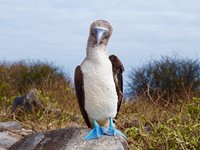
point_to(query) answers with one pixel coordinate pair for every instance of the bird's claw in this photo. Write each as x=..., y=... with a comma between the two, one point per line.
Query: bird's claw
x=98, y=131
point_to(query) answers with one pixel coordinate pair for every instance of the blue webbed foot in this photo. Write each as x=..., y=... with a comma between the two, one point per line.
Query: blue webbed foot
x=111, y=131
x=95, y=133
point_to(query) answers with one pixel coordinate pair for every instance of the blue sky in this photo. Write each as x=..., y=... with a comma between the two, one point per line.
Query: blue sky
x=57, y=30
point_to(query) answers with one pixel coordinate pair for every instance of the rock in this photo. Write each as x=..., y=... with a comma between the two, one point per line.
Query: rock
x=56, y=111
x=131, y=122
x=28, y=102
x=11, y=132
x=147, y=127
x=10, y=125
x=69, y=139
x=77, y=118
x=25, y=132
x=73, y=124
x=6, y=140
x=2, y=148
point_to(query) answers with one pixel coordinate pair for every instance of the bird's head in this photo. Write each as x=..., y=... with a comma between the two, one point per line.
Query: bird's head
x=100, y=32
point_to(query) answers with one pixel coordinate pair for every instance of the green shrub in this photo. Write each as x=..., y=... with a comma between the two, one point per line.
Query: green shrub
x=180, y=129
x=167, y=79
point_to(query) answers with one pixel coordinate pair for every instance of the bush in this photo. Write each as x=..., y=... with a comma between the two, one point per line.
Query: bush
x=166, y=79
x=19, y=77
x=23, y=75
x=179, y=130
x=54, y=88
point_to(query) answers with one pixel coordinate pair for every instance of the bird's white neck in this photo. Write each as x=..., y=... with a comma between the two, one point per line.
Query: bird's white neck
x=91, y=50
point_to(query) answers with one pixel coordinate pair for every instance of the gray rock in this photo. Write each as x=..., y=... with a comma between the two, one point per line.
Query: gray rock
x=6, y=140
x=69, y=139
x=2, y=148
x=10, y=125
x=28, y=102
x=77, y=118
x=73, y=124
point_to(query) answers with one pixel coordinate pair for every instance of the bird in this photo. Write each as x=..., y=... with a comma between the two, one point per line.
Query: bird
x=98, y=83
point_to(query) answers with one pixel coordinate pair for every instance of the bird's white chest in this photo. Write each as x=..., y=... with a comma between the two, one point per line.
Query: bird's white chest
x=99, y=87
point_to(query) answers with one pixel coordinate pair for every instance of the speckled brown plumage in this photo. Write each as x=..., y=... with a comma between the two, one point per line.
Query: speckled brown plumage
x=80, y=94
x=92, y=39
x=118, y=69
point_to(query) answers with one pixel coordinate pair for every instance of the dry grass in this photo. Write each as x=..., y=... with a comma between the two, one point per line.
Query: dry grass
x=154, y=126
x=147, y=124
x=54, y=114
x=55, y=92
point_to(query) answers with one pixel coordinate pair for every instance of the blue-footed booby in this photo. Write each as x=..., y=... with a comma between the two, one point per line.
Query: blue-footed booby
x=99, y=83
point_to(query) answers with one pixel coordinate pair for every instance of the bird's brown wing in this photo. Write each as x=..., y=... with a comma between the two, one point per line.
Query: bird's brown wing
x=79, y=87
x=118, y=69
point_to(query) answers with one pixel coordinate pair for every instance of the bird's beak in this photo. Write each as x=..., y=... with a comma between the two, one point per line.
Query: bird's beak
x=100, y=33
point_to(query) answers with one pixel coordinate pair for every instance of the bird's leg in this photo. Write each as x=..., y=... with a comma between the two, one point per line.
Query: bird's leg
x=111, y=131
x=95, y=133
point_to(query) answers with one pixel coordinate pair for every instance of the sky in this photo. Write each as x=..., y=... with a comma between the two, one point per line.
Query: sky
x=57, y=30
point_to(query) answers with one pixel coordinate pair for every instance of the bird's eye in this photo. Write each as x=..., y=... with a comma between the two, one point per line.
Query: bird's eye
x=93, y=33
x=105, y=35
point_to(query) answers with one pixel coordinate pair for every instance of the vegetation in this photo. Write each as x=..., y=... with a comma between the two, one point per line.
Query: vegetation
x=168, y=79
x=147, y=123
x=54, y=90
x=152, y=126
